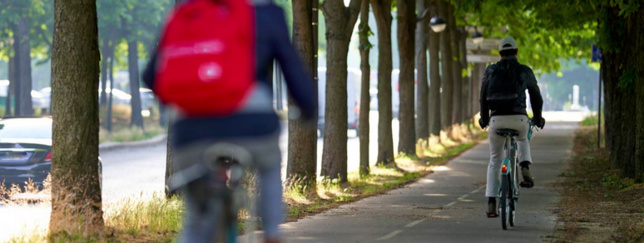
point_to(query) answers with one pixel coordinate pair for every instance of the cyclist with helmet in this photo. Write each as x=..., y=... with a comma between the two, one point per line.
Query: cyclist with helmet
x=503, y=105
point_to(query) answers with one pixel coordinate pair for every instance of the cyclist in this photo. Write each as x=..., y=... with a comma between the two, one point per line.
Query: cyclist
x=255, y=127
x=503, y=105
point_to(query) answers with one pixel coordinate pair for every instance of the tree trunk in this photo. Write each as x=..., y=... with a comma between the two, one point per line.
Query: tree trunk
x=422, y=93
x=110, y=100
x=620, y=73
x=638, y=28
x=302, y=137
x=133, y=68
x=434, y=84
x=24, y=93
x=17, y=62
x=365, y=98
x=104, y=60
x=12, y=80
x=406, y=32
x=447, y=79
x=477, y=76
x=76, y=191
x=467, y=91
x=340, y=21
x=457, y=91
x=382, y=13
x=169, y=154
x=169, y=158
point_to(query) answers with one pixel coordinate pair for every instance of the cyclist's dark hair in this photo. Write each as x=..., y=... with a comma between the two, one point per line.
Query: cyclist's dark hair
x=509, y=52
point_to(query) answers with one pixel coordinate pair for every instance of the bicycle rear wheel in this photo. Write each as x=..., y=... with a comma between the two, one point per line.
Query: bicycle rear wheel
x=513, y=198
x=506, y=196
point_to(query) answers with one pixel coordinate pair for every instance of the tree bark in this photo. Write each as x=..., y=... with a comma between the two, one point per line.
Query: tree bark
x=169, y=158
x=12, y=80
x=382, y=14
x=457, y=91
x=365, y=98
x=340, y=21
x=477, y=76
x=169, y=154
x=104, y=60
x=637, y=29
x=76, y=191
x=23, y=94
x=435, y=83
x=302, y=137
x=110, y=100
x=467, y=91
x=620, y=88
x=17, y=62
x=447, y=79
x=406, y=31
x=422, y=92
x=133, y=68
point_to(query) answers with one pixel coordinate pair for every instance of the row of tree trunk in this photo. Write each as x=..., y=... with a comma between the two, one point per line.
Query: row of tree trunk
x=443, y=100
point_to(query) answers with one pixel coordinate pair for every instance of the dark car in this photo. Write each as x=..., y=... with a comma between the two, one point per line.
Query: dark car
x=25, y=150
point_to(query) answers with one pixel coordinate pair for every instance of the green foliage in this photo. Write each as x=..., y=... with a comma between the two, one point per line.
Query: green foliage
x=365, y=32
x=41, y=15
x=548, y=31
x=589, y=121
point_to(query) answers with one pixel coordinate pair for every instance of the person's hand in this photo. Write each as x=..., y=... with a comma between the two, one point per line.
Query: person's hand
x=539, y=122
x=483, y=123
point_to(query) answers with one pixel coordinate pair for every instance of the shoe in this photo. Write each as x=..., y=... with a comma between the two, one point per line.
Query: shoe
x=492, y=210
x=527, y=178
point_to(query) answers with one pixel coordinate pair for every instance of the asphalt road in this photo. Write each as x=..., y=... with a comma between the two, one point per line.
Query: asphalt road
x=426, y=205
x=449, y=205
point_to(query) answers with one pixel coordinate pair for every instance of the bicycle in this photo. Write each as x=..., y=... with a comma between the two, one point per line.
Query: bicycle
x=228, y=164
x=509, y=191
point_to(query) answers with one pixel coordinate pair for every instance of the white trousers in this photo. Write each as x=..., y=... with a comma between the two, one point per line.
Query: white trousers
x=516, y=122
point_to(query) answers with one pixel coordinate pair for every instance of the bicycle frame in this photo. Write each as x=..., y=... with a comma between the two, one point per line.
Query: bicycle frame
x=509, y=165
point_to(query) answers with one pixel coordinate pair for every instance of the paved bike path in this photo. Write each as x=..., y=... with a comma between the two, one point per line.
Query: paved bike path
x=449, y=205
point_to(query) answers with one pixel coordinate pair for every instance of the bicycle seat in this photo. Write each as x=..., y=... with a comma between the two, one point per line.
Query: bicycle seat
x=507, y=132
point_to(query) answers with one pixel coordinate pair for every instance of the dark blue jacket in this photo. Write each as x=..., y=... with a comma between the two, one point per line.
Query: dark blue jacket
x=273, y=43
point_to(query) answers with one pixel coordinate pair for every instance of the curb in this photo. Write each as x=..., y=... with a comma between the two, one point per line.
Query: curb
x=111, y=146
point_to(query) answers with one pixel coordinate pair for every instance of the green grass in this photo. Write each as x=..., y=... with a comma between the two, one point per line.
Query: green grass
x=589, y=121
x=155, y=219
x=131, y=134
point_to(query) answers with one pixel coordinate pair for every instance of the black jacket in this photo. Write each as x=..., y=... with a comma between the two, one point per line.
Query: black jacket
x=528, y=81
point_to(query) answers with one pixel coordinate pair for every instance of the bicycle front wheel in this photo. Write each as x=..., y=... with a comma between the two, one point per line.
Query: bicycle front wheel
x=506, y=196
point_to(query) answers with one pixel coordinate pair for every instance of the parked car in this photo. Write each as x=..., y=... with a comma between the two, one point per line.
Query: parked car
x=353, y=92
x=148, y=99
x=38, y=101
x=25, y=150
x=120, y=96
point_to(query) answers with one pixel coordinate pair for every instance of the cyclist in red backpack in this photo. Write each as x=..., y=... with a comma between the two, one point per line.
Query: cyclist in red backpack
x=248, y=122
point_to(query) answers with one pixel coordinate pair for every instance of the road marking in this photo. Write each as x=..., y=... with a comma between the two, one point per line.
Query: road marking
x=463, y=197
x=477, y=190
x=450, y=204
x=412, y=224
x=390, y=235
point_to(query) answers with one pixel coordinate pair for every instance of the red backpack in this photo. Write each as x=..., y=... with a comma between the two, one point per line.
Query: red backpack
x=207, y=57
